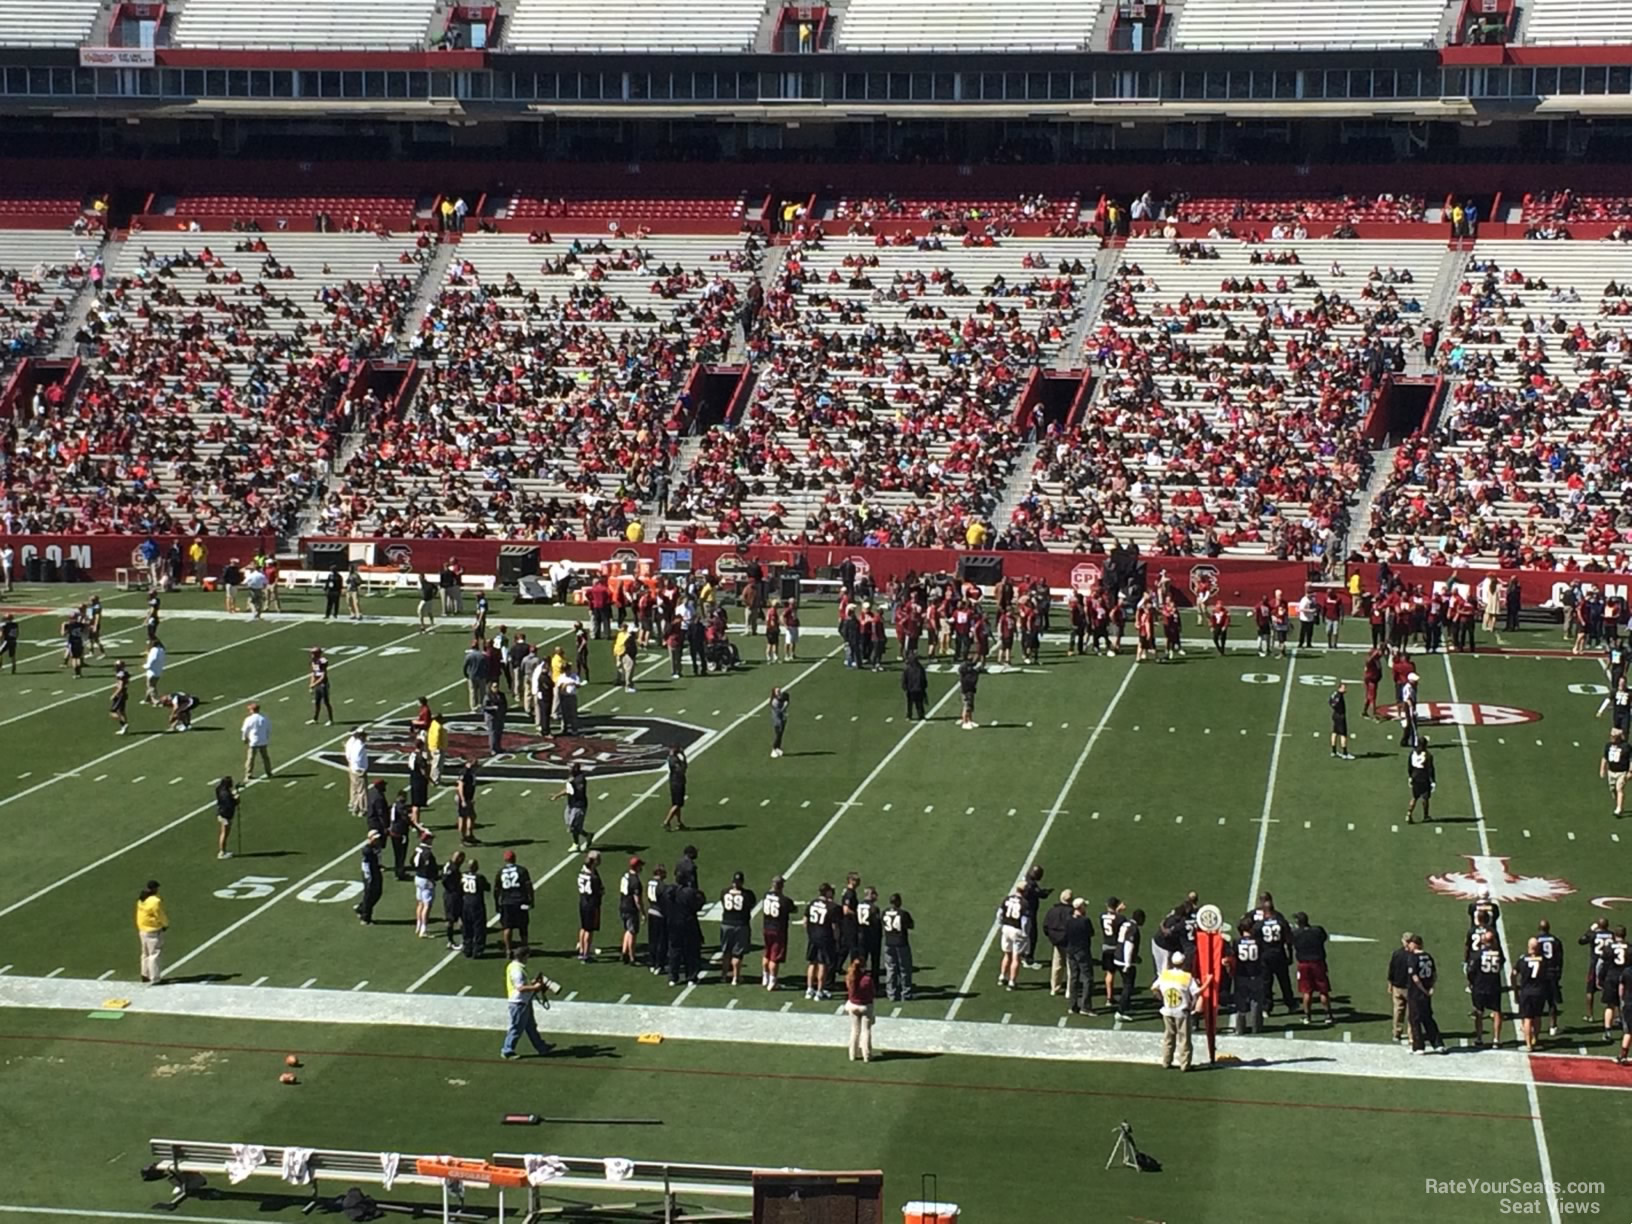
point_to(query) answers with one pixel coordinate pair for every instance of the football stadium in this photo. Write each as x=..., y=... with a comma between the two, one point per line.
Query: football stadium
x=815, y=612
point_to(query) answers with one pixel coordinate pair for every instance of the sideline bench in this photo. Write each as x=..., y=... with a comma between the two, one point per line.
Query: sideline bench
x=185, y=1163
x=377, y=578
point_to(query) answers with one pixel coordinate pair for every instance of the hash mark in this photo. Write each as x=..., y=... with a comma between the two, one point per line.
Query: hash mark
x=571, y=995
x=1351, y=826
x=1136, y=817
x=524, y=793
x=928, y=808
x=329, y=786
x=173, y=781
x=625, y=999
x=764, y=803
x=1006, y=1017
x=1221, y=820
x=1306, y=825
x=787, y=1007
x=805, y=804
x=99, y=777
x=1178, y=820
x=27, y=773
x=359, y=986
x=724, y=799
x=968, y=811
x=1571, y=836
x=307, y=983
x=1012, y=810
x=603, y=795
x=56, y=971
x=102, y=977
x=257, y=981
x=138, y=778
x=463, y=991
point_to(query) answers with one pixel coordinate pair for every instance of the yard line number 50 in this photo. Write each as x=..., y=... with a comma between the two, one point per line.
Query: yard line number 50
x=322, y=892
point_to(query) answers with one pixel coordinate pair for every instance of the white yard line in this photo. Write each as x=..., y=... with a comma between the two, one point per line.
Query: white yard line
x=208, y=807
x=1042, y=834
x=833, y=820
x=1543, y=1153
x=757, y=710
x=95, y=690
x=1269, y=788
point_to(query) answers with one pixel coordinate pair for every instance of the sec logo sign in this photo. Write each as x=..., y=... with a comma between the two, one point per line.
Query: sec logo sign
x=1085, y=577
x=1466, y=714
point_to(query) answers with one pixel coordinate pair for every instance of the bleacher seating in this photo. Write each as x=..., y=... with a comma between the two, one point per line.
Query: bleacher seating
x=40, y=271
x=1533, y=445
x=951, y=210
x=37, y=204
x=1269, y=208
x=47, y=23
x=633, y=25
x=363, y=24
x=885, y=402
x=358, y=210
x=533, y=204
x=1591, y=23
x=550, y=404
x=1252, y=25
x=965, y=25
x=1544, y=206
x=1230, y=395
x=217, y=371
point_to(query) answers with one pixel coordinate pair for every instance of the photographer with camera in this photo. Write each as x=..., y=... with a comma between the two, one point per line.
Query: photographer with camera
x=521, y=992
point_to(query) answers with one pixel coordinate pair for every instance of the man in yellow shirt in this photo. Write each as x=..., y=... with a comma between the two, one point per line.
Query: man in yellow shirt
x=623, y=655
x=199, y=555
x=436, y=743
x=151, y=922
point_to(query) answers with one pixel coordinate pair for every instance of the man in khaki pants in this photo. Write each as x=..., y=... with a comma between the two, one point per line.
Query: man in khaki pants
x=151, y=922
x=1180, y=998
x=1399, y=983
x=356, y=748
x=256, y=734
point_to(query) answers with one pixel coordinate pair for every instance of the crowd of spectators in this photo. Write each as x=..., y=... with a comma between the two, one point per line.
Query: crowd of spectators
x=215, y=392
x=1227, y=419
x=552, y=401
x=1531, y=455
x=885, y=402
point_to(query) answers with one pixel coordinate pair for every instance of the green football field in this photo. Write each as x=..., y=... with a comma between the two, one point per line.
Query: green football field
x=1144, y=781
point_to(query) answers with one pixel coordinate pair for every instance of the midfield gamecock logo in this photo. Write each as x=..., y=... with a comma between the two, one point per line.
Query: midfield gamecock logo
x=1203, y=575
x=399, y=555
x=1490, y=871
x=606, y=746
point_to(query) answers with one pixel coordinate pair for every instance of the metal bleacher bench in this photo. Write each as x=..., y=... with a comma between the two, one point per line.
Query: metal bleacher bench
x=387, y=578
x=184, y=1163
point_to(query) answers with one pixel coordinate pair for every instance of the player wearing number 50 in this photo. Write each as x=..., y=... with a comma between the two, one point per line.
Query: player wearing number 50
x=520, y=991
x=1180, y=997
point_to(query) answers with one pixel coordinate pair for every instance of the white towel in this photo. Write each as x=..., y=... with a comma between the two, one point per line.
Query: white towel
x=618, y=1169
x=389, y=1162
x=245, y=1159
x=541, y=1169
x=297, y=1164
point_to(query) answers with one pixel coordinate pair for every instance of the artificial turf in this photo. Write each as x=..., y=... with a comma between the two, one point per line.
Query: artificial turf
x=1140, y=781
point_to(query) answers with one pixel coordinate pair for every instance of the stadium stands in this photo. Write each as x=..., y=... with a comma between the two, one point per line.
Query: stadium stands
x=371, y=24
x=965, y=25
x=214, y=397
x=353, y=211
x=550, y=406
x=1269, y=208
x=39, y=274
x=1568, y=206
x=532, y=204
x=885, y=403
x=1593, y=23
x=1248, y=25
x=1533, y=448
x=46, y=23
x=951, y=210
x=1233, y=383
x=631, y=25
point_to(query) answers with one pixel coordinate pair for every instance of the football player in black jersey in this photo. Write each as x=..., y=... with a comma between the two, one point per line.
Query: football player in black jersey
x=1424, y=976
x=1596, y=941
x=869, y=944
x=736, y=908
x=1109, y=923
x=1487, y=971
x=1339, y=703
x=590, y=891
x=1531, y=990
x=898, y=952
x=631, y=903
x=821, y=942
x=513, y=894
x=1419, y=769
x=1275, y=938
x=119, y=699
x=1551, y=949
x=8, y=641
x=1613, y=979
x=1247, y=965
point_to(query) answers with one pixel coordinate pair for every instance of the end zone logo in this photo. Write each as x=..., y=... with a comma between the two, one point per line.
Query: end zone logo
x=1490, y=871
x=606, y=746
x=1201, y=575
x=1085, y=577
x=400, y=555
x=1465, y=714
x=864, y=567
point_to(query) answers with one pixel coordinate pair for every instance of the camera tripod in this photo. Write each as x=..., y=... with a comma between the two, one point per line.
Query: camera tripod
x=1124, y=1151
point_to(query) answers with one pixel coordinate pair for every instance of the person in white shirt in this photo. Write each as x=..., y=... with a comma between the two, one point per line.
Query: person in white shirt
x=8, y=558
x=255, y=583
x=1180, y=998
x=256, y=734
x=566, y=700
x=153, y=670
x=356, y=749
